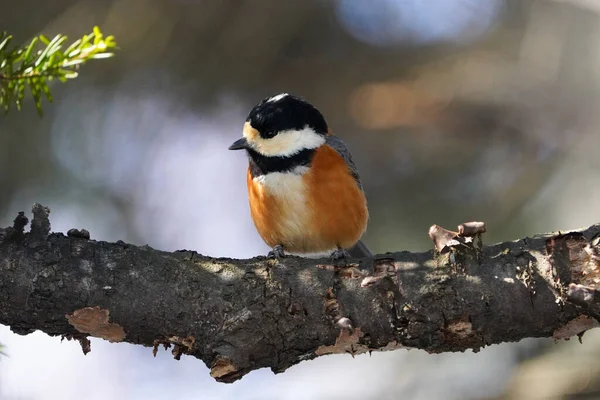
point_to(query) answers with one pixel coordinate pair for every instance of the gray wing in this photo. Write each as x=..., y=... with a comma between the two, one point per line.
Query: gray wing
x=339, y=146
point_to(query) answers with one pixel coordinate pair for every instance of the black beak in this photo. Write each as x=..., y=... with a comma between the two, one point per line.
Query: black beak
x=239, y=144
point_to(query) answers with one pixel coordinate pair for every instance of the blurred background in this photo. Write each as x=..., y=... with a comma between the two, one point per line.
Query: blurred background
x=454, y=110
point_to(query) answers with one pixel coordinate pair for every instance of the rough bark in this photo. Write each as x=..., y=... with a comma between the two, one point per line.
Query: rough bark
x=241, y=315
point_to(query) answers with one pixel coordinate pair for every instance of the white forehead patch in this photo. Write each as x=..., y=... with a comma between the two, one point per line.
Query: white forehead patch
x=286, y=143
x=275, y=99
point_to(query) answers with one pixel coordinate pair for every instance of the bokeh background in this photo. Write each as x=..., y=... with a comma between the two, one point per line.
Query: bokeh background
x=454, y=110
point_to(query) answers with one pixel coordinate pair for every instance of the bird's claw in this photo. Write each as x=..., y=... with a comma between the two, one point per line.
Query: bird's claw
x=277, y=252
x=339, y=254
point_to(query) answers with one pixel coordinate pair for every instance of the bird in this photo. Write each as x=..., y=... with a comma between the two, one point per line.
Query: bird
x=305, y=193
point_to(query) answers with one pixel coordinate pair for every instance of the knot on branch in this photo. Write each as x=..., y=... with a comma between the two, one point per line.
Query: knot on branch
x=79, y=233
x=17, y=230
x=449, y=243
x=20, y=222
x=224, y=370
x=574, y=260
x=40, y=226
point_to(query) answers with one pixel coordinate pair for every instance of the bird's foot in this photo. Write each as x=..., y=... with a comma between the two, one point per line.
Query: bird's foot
x=339, y=254
x=277, y=252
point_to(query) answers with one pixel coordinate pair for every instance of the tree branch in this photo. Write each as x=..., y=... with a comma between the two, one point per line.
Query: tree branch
x=241, y=315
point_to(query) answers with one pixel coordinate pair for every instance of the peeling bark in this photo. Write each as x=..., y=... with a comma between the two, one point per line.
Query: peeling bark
x=241, y=315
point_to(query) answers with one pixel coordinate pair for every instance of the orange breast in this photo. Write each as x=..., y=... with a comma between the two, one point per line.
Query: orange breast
x=310, y=213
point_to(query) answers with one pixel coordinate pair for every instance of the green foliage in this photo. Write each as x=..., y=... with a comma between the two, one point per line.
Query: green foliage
x=24, y=66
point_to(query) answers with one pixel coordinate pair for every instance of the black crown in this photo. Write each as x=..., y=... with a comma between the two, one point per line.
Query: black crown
x=285, y=112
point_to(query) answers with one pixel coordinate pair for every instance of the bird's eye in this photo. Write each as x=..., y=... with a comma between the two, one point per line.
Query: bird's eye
x=270, y=134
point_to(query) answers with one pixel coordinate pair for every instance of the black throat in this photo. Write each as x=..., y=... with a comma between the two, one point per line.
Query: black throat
x=262, y=165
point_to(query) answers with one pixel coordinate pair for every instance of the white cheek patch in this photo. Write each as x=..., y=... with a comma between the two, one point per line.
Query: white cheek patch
x=287, y=143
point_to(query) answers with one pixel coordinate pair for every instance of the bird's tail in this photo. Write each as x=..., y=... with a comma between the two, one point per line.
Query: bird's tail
x=360, y=250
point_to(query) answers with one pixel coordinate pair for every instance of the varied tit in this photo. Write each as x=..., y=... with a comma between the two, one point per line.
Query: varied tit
x=306, y=197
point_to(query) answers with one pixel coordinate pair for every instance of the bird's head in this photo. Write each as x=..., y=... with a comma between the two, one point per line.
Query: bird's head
x=282, y=126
